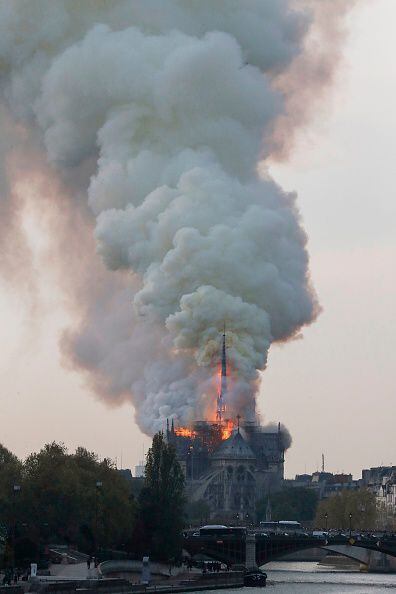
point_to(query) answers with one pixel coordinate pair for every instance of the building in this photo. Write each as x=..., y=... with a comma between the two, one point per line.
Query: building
x=373, y=477
x=323, y=483
x=229, y=474
x=229, y=464
x=139, y=469
x=381, y=481
x=126, y=473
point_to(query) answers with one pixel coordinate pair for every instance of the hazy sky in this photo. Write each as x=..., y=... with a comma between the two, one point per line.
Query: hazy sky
x=334, y=389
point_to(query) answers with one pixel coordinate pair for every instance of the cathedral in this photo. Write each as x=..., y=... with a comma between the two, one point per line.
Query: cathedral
x=232, y=474
x=229, y=465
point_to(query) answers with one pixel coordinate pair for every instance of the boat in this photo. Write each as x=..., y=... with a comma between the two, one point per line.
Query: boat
x=255, y=578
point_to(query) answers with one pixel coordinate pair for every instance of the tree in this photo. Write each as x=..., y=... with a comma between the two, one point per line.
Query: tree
x=296, y=503
x=197, y=512
x=360, y=504
x=64, y=498
x=75, y=499
x=10, y=476
x=161, y=501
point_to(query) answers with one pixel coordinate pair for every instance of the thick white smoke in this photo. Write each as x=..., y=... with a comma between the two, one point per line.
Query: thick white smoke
x=172, y=104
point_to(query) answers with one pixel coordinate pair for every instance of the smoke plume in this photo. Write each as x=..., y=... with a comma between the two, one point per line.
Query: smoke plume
x=156, y=114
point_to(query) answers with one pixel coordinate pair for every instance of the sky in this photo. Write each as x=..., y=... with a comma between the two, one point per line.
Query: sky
x=332, y=388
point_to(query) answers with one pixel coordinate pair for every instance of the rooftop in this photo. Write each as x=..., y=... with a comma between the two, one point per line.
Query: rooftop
x=235, y=447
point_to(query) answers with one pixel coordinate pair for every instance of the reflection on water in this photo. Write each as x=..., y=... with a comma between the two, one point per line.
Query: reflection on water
x=285, y=577
x=299, y=577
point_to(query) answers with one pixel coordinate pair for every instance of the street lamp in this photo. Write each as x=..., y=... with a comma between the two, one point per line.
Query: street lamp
x=350, y=525
x=326, y=517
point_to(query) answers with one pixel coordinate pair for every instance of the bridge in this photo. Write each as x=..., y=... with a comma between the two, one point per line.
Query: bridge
x=257, y=548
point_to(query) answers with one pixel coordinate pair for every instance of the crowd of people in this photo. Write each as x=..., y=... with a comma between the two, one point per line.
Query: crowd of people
x=211, y=567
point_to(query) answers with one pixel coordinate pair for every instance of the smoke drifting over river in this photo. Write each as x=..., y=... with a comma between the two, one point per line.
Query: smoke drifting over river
x=157, y=113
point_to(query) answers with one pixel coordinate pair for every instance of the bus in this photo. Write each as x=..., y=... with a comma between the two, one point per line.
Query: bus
x=282, y=527
x=219, y=530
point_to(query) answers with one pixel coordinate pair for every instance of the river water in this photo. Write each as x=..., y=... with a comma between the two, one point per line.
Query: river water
x=301, y=577
x=311, y=577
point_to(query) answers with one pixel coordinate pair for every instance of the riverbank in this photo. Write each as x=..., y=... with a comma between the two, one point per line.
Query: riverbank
x=125, y=589
x=76, y=578
x=121, y=587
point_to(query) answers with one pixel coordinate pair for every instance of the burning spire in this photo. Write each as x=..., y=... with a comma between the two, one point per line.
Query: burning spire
x=221, y=407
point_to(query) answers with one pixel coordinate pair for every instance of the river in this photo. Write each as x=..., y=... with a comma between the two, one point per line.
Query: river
x=311, y=577
x=301, y=577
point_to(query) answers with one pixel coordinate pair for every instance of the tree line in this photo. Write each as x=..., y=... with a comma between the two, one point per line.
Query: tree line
x=76, y=499
x=57, y=497
x=347, y=508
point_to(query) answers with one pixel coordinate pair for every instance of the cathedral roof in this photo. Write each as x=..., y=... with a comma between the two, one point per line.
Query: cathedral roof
x=234, y=448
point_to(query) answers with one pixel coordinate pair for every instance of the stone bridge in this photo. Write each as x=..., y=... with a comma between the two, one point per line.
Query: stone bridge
x=258, y=549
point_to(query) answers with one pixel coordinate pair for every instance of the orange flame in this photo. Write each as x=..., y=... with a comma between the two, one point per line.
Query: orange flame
x=185, y=432
x=222, y=430
x=218, y=379
x=226, y=430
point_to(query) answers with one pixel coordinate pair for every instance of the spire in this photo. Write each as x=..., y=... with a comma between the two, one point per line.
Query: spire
x=167, y=427
x=173, y=427
x=224, y=365
x=221, y=407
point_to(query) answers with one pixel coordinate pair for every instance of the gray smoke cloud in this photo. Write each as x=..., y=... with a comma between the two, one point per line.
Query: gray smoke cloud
x=159, y=112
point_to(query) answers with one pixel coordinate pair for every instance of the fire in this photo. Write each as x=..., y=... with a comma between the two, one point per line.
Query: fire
x=185, y=432
x=223, y=430
x=218, y=379
x=226, y=429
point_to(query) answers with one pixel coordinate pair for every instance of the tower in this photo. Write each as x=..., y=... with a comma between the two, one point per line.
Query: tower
x=221, y=397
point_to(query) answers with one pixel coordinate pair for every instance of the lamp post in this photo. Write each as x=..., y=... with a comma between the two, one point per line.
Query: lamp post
x=326, y=518
x=98, y=485
x=350, y=525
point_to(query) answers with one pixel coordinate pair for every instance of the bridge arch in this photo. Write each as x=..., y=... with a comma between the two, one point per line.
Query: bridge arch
x=373, y=559
x=231, y=549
